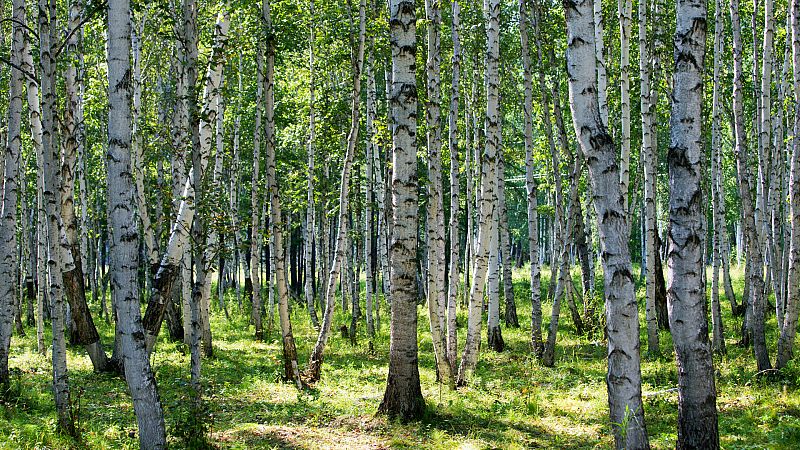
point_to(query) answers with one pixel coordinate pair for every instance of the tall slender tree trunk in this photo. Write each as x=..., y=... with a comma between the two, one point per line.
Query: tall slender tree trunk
x=755, y=277
x=122, y=221
x=309, y=239
x=624, y=371
x=455, y=204
x=56, y=247
x=649, y=157
x=789, y=330
x=718, y=200
x=488, y=202
x=403, y=397
x=10, y=188
x=255, y=208
x=625, y=12
x=531, y=185
x=291, y=371
x=435, y=231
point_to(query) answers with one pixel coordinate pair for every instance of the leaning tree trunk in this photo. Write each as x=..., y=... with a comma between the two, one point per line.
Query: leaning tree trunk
x=403, y=397
x=291, y=371
x=124, y=235
x=624, y=371
x=85, y=332
x=686, y=294
x=488, y=201
x=161, y=292
x=315, y=360
x=789, y=330
x=435, y=230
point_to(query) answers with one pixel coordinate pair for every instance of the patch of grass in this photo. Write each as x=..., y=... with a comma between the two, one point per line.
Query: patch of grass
x=511, y=401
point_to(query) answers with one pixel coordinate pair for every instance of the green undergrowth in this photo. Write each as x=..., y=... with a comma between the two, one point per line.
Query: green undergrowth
x=511, y=401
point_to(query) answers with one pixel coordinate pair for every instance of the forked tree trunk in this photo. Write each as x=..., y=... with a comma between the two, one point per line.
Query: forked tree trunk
x=624, y=372
x=124, y=236
x=403, y=397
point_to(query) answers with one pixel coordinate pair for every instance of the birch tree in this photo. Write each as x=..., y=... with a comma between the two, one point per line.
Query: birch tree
x=686, y=294
x=624, y=372
x=315, y=360
x=10, y=189
x=291, y=371
x=124, y=235
x=789, y=330
x=455, y=204
x=435, y=231
x=488, y=200
x=403, y=396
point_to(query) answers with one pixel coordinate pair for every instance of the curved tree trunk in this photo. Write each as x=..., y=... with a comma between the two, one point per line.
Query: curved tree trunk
x=315, y=360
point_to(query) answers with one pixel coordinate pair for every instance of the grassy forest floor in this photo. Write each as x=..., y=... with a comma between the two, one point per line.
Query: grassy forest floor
x=510, y=402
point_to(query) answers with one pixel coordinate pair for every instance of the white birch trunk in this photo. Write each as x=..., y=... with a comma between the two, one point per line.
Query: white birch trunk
x=488, y=202
x=789, y=330
x=435, y=230
x=122, y=222
x=315, y=360
x=686, y=293
x=624, y=371
x=403, y=397
x=455, y=240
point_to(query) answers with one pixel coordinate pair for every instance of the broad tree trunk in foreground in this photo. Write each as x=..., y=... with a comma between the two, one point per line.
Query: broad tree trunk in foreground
x=686, y=294
x=403, y=397
x=124, y=235
x=622, y=321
